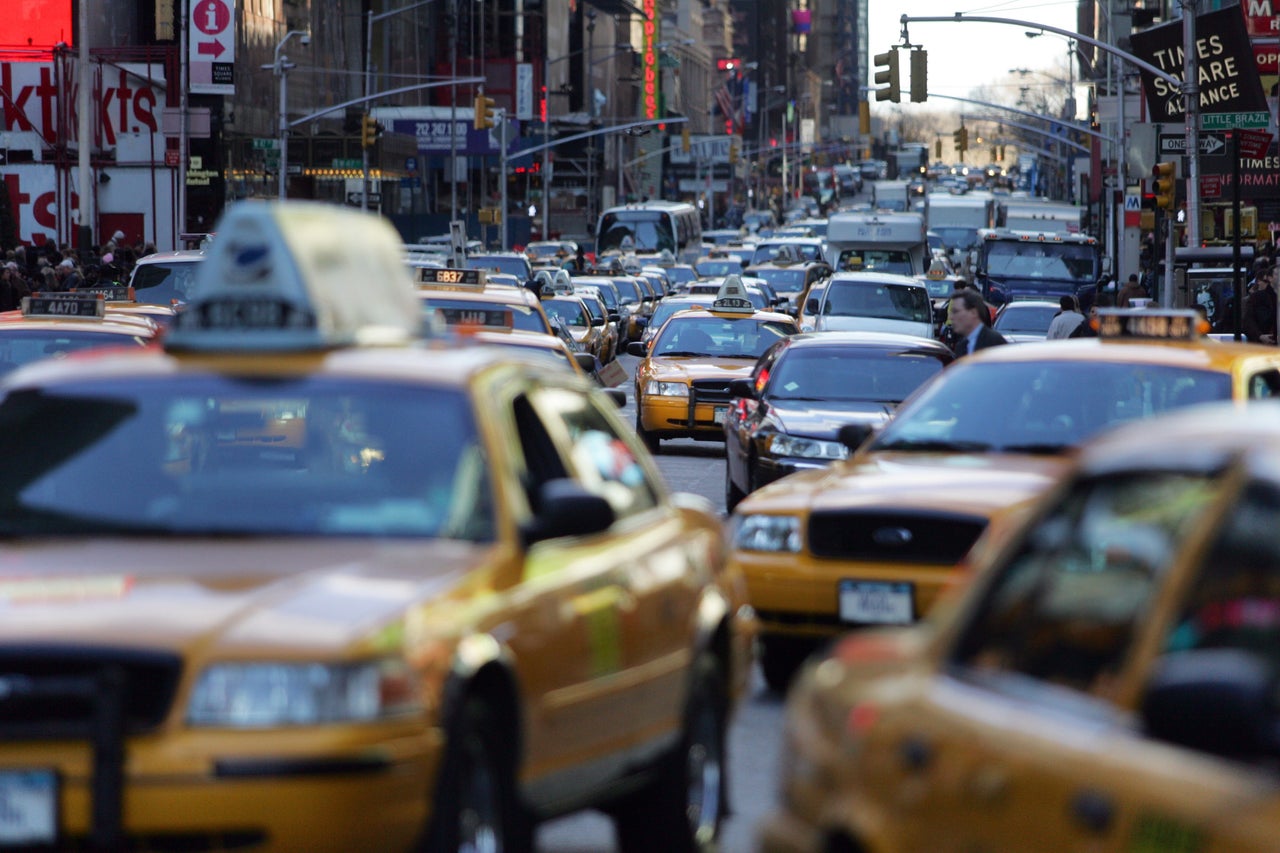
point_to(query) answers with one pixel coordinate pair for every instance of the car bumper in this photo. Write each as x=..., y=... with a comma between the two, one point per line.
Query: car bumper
x=799, y=595
x=677, y=417
x=333, y=789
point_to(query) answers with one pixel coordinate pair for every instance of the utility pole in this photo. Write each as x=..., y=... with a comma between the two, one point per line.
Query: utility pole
x=1191, y=99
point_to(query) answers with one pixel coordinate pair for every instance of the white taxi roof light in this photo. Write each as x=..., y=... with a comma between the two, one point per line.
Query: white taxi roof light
x=732, y=296
x=557, y=284
x=295, y=276
x=1166, y=324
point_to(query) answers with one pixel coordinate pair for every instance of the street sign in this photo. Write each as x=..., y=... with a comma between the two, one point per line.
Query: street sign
x=211, y=51
x=1176, y=144
x=347, y=163
x=1230, y=121
x=411, y=164
x=1211, y=186
x=265, y=144
x=173, y=158
x=1253, y=143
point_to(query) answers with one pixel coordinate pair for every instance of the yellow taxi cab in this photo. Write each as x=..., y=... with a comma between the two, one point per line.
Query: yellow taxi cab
x=875, y=539
x=462, y=602
x=682, y=385
x=550, y=346
x=1107, y=684
x=463, y=298
x=573, y=313
x=55, y=325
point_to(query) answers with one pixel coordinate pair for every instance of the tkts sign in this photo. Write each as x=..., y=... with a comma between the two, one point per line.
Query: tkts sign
x=1227, y=73
x=30, y=93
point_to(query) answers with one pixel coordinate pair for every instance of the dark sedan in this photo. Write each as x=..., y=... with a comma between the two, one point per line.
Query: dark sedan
x=786, y=416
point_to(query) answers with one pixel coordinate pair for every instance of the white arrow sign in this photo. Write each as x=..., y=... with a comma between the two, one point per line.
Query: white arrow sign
x=1209, y=144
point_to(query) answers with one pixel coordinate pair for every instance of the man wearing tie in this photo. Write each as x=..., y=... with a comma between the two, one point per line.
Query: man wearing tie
x=972, y=332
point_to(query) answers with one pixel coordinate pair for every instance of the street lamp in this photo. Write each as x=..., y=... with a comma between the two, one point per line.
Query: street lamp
x=281, y=67
x=368, y=73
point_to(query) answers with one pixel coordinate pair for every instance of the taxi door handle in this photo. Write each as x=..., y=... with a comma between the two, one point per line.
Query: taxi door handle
x=1093, y=810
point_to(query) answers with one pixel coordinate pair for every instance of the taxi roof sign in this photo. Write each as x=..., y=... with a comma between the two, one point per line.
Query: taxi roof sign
x=451, y=277
x=1167, y=324
x=732, y=297
x=557, y=284
x=64, y=305
x=299, y=276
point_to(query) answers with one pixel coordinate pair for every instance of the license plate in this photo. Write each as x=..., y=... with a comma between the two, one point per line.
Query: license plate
x=877, y=603
x=28, y=807
x=718, y=413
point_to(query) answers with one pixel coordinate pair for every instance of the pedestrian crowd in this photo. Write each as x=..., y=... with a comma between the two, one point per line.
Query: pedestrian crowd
x=50, y=268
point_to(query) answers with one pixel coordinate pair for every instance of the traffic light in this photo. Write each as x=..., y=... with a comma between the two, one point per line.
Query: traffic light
x=937, y=149
x=919, y=75
x=961, y=139
x=484, y=112
x=369, y=131
x=733, y=153
x=889, y=76
x=1166, y=185
x=1001, y=157
x=864, y=118
x=686, y=144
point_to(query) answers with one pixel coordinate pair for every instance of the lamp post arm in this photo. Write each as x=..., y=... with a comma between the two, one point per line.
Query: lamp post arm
x=1015, y=110
x=376, y=95
x=613, y=128
x=1028, y=128
x=961, y=18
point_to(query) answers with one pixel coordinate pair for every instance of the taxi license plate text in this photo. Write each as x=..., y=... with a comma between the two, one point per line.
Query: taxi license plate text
x=28, y=807
x=874, y=602
x=718, y=414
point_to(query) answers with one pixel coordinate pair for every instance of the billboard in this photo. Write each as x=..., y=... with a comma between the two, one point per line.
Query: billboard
x=36, y=23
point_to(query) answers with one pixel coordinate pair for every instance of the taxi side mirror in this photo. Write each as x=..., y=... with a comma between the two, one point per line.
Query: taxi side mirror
x=745, y=388
x=1217, y=701
x=615, y=317
x=565, y=508
x=638, y=349
x=811, y=306
x=597, y=321
x=641, y=322
x=586, y=361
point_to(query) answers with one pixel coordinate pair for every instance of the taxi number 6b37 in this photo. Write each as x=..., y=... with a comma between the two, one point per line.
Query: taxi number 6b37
x=876, y=603
x=28, y=807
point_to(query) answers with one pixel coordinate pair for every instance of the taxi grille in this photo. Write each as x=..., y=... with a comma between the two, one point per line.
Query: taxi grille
x=711, y=391
x=893, y=537
x=49, y=693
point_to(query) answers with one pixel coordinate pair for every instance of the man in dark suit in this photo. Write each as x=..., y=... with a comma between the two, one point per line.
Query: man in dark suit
x=972, y=332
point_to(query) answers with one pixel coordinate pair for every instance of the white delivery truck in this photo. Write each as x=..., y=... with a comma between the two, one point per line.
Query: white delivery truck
x=957, y=219
x=1041, y=215
x=878, y=242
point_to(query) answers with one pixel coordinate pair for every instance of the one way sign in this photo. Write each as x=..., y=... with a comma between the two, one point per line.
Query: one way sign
x=1176, y=144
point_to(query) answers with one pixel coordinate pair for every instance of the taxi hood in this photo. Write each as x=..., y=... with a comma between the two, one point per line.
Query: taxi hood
x=704, y=367
x=973, y=484
x=292, y=596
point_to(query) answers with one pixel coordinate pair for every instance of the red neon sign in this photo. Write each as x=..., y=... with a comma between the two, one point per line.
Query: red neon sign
x=650, y=90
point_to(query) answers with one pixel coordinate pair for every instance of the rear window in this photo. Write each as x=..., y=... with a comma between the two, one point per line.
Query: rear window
x=163, y=282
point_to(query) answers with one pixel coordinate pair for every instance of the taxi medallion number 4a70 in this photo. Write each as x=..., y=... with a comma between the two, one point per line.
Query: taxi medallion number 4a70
x=876, y=603
x=28, y=807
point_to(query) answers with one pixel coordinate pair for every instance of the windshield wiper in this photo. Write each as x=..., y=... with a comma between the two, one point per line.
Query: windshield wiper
x=934, y=444
x=1045, y=448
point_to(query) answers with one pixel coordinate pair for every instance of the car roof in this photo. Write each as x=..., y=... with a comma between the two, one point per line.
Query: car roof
x=875, y=278
x=180, y=256
x=877, y=340
x=1202, y=354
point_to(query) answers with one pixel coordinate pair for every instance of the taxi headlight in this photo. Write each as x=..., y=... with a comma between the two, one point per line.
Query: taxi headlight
x=666, y=389
x=805, y=448
x=265, y=695
x=767, y=533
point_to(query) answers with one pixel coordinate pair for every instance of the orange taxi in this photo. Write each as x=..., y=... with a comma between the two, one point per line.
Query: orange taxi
x=462, y=602
x=1107, y=684
x=682, y=385
x=877, y=538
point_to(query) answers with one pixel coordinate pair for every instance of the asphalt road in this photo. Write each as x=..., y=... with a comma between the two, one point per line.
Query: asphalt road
x=698, y=467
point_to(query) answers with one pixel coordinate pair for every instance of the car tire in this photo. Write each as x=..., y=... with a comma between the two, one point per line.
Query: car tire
x=476, y=806
x=650, y=440
x=780, y=659
x=682, y=808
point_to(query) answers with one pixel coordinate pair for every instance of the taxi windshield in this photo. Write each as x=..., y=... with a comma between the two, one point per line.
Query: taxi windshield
x=705, y=335
x=219, y=456
x=1041, y=406
x=23, y=346
x=568, y=311
x=783, y=281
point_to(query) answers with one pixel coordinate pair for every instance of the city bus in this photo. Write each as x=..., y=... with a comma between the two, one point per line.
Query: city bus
x=651, y=227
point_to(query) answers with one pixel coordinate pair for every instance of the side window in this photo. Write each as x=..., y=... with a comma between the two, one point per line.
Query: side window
x=1265, y=384
x=1234, y=601
x=601, y=458
x=1065, y=608
x=542, y=461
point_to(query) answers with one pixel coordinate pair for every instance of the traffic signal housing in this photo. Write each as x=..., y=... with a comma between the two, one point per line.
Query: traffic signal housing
x=1166, y=184
x=686, y=143
x=887, y=74
x=733, y=153
x=484, y=112
x=919, y=75
x=370, y=130
x=961, y=139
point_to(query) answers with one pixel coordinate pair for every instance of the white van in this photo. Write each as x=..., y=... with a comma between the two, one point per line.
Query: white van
x=878, y=242
x=871, y=302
